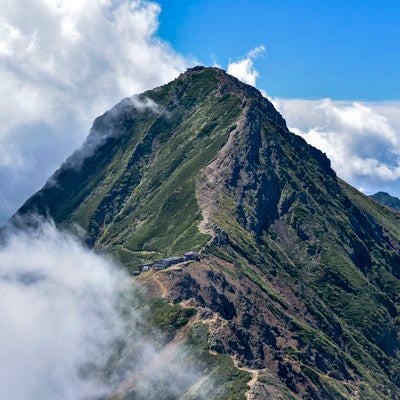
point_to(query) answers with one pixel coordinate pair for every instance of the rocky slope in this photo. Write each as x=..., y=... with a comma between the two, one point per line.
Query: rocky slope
x=299, y=277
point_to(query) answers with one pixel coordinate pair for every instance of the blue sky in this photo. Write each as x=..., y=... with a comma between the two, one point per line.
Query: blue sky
x=338, y=49
x=330, y=67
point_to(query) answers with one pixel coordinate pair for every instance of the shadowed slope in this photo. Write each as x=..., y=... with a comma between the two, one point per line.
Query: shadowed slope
x=387, y=200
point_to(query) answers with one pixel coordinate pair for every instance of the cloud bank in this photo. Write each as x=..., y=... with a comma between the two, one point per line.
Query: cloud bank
x=361, y=139
x=62, y=64
x=71, y=326
x=58, y=307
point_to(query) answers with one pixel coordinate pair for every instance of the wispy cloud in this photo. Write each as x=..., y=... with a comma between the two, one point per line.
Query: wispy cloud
x=62, y=64
x=109, y=125
x=244, y=69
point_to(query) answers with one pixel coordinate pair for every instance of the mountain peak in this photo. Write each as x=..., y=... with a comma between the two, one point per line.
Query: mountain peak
x=228, y=84
x=206, y=117
x=299, y=273
x=387, y=200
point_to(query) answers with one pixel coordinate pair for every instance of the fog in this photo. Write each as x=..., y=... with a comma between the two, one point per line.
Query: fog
x=63, y=313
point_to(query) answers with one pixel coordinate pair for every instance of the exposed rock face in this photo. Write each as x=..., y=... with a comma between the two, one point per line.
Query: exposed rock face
x=300, y=275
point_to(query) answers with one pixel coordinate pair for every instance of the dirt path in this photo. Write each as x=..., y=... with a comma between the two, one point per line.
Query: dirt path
x=213, y=320
x=163, y=288
x=254, y=377
x=356, y=390
x=137, y=252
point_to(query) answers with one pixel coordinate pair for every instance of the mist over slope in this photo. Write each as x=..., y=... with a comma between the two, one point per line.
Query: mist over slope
x=73, y=326
x=59, y=313
x=299, y=276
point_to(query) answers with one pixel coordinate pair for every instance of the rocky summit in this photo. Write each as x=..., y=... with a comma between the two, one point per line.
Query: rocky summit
x=294, y=275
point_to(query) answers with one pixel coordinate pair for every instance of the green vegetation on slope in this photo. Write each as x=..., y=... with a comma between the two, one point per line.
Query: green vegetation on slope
x=137, y=193
x=325, y=256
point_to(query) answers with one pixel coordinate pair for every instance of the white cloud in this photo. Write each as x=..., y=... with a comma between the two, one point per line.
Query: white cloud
x=244, y=69
x=58, y=313
x=361, y=139
x=64, y=312
x=62, y=64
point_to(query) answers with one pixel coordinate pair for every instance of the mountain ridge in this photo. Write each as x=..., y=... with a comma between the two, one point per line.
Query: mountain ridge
x=387, y=200
x=300, y=271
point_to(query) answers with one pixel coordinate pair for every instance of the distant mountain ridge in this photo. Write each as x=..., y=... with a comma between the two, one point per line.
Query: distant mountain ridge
x=299, y=278
x=387, y=200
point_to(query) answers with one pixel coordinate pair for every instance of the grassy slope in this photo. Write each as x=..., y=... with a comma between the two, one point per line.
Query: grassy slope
x=336, y=248
x=136, y=194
